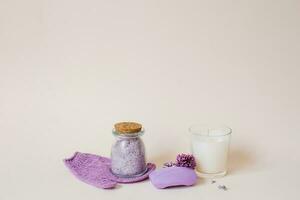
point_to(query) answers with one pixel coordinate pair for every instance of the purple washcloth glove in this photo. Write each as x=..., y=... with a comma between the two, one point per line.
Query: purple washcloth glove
x=91, y=169
x=95, y=170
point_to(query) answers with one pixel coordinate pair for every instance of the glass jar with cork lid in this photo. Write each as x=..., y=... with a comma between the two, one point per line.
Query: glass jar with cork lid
x=128, y=152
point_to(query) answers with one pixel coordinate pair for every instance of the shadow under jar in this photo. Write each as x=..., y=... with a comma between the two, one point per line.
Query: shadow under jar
x=128, y=152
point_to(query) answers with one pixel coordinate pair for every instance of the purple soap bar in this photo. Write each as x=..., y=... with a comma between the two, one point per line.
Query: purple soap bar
x=173, y=176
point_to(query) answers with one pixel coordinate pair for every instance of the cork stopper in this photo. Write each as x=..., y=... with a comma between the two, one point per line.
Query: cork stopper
x=127, y=127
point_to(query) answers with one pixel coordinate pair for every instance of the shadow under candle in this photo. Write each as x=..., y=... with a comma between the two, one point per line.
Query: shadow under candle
x=240, y=160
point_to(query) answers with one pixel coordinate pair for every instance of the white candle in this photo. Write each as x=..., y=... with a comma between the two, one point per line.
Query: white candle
x=210, y=148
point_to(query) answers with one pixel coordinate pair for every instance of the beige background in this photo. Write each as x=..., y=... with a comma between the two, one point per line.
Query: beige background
x=70, y=69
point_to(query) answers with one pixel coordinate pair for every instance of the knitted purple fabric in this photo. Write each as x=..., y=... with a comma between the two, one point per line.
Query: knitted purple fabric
x=95, y=170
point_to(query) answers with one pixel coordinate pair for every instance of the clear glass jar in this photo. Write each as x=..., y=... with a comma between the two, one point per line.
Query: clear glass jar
x=210, y=147
x=128, y=155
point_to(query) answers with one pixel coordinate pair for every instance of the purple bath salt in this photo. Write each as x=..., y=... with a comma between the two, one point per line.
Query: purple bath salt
x=128, y=156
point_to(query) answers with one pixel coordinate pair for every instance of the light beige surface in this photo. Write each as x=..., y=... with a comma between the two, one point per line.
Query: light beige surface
x=70, y=69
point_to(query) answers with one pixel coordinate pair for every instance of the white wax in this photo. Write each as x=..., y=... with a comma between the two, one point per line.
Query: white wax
x=211, y=154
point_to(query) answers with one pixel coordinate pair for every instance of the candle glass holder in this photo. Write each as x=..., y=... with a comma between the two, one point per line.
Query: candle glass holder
x=210, y=147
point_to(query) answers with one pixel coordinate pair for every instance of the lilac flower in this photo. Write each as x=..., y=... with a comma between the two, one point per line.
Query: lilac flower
x=185, y=160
